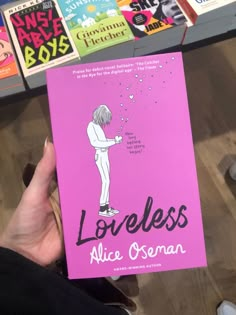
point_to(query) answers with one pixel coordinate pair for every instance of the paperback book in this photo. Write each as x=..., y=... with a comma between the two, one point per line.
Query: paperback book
x=11, y=81
x=126, y=168
x=203, y=11
x=40, y=37
x=156, y=24
x=98, y=29
x=202, y=31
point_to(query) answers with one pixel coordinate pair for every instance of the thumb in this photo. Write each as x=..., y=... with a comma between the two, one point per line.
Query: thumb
x=40, y=183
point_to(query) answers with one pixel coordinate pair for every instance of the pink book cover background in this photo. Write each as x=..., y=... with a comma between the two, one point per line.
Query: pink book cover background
x=153, y=180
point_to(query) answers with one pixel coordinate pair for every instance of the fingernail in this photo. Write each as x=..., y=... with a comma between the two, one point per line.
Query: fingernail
x=45, y=145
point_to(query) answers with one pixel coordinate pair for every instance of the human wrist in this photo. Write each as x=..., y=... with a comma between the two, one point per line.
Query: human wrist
x=9, y=243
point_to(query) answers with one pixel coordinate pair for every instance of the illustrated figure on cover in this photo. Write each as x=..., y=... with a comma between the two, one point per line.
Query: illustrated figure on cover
x=6, y=54
x=101, y=117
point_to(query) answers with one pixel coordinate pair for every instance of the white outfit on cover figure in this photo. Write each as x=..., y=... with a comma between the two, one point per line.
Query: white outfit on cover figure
x=101, y=144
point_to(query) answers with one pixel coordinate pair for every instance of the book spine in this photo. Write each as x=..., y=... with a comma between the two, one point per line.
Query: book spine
x=188, y=10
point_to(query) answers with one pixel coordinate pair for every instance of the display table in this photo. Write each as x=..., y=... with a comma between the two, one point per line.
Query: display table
x=184, y=48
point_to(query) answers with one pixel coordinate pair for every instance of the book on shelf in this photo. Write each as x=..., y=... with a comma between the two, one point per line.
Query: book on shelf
x=11, y=81
x=126, y=168
x=198, y=32
x=98, y=28
x=203, y=11
x=40, y=37
x=156, y=25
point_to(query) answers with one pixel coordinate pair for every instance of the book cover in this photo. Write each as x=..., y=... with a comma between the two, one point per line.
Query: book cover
x=126, y=168
x=151, y=16
x=8, y=65
x=10, y=77
x=95, y=24
x=196, y=8
x=39, y=34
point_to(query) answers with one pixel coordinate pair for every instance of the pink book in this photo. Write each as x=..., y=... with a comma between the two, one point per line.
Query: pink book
x=126, y=168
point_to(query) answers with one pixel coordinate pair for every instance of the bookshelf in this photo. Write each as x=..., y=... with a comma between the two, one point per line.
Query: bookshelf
x=43, y=89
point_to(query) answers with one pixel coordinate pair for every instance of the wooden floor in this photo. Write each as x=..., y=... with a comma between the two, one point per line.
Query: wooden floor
x=211, y=83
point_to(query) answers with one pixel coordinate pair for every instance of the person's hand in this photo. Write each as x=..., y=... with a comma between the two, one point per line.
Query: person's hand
x=118, y=139
x=32, y=230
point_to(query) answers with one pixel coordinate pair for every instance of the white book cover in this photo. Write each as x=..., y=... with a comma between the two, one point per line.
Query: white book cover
x=211, y=9
x=39, y=34
x=205, y=6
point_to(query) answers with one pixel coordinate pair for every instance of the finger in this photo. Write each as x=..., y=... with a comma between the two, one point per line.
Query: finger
x=40, y=183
